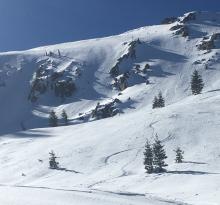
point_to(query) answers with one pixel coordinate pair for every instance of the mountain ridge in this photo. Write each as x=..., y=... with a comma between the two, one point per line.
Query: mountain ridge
x=107, y=86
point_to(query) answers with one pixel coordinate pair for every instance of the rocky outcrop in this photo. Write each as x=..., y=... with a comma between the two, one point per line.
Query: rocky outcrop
x=106, y=110
x=46, y=78
x=139, y=70
x=169, y=20
x=115, y=71
x=208, y=42
x=120, y=82
x=64, y=88
x=101, y=111
x=180, y=29
x=206, y=45
x=189, y=17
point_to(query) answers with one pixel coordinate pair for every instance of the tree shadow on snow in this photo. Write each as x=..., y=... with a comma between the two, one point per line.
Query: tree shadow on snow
x=216, y=90
x=193, y=162
x=31, y=134
x=69, y=170
x=190, y=172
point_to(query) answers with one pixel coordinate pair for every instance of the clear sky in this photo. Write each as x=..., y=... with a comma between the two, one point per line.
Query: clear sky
x=30, y=23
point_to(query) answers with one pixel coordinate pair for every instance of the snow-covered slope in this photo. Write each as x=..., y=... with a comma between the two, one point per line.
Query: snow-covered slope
x=103, y=159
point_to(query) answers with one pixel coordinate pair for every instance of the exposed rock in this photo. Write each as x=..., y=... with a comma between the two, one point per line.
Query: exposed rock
x=131, y=49
x=56, y=75
x=206, y=45
x=176, y=27
x=189, y=17
x=45, y=77
x=208, y=42
x=64, y=88
x=169, y=20
x=180, y=29
x=106, y=110
x=146, y=68
x=137, y=69
x=120, y=82
x=215, y=36
x=115, y=71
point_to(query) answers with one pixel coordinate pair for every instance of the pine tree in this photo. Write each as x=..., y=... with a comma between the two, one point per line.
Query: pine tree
x=148, y=158
x=179, y=155
x=155, y=102
x=64, y=117
x=53, y=120
x=159, y=155
x=196, y=83
x=161, y=101
x=158, y=101
x=53, y=164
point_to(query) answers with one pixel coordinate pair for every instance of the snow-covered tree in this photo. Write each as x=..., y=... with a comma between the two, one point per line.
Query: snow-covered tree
x=159, y=155
x=64, y=117
x=148, y=158
x=196, y=83
x=179, y=155
x=53, y=120
x=53, y=164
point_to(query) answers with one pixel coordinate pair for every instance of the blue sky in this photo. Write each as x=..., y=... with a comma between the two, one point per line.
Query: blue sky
x=30, y=23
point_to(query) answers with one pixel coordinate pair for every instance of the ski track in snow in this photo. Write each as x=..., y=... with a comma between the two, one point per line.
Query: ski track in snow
x=114, y=154
x=42, y=187
x=124, y=172
x=95, y=191
x=152, y=128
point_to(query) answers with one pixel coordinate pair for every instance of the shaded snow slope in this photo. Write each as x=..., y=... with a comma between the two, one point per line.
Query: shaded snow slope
x=105, y=157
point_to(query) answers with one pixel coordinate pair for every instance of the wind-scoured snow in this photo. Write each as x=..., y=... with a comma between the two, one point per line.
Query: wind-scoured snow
x=102, y=160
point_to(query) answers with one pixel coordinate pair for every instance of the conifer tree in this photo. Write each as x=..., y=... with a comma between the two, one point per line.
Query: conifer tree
x=159, y=155
x=161, y=101
x=155, y=102
x=179, y=155
x=148, y=158
x=196, y=83
x=53, y=120
x=64, y=117
x=158, y=101
x=53, y=164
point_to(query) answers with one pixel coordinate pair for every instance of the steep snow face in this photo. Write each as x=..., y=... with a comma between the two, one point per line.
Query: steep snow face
x=158, y=55
x=123, y=73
